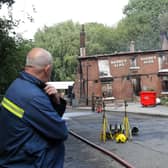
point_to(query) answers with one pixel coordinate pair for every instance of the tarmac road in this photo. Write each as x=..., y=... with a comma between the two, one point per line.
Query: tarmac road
x=147, y=150
x=80, y=155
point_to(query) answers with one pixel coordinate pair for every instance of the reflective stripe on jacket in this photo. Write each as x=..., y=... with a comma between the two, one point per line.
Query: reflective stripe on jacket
x=32, y=133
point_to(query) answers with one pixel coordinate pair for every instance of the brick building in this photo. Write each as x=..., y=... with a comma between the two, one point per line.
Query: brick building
x=121, y=75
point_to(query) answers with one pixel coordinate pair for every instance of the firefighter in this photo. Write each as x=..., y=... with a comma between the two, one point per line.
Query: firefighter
x=32, y=131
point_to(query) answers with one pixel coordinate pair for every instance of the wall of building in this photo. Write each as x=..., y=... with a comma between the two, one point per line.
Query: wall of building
x=128, y=74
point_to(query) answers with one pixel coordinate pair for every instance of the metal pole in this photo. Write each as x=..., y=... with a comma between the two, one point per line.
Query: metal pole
x=81, y=78
x=93, y=102
x=87, y=84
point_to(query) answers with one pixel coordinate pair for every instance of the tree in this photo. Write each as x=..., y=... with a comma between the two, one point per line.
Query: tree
x=99, y=39
x=8, y=2
x=62, y=40
x=142, y=22
x=163, y=22
x=6, y=44
x=12, y=50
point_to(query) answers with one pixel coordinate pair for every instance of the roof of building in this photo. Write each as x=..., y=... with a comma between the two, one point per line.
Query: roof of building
x=122, y=54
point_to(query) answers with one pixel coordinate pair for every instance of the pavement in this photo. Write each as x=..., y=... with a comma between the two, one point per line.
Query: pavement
x=133, y=107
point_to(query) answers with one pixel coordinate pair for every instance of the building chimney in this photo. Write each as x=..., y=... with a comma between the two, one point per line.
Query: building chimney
x=82, y=42
x=132, y=46
x=164, y=42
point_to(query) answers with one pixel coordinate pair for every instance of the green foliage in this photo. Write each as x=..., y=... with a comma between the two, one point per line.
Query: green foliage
x=12, y=50
x=62, y=40
x=12, y=60
x=99, y=39
x=8, y=2
x=164, y=100
x=142, y=22
x=163, y=20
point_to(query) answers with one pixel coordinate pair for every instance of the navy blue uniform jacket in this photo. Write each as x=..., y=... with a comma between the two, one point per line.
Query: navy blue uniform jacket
x=35, y=137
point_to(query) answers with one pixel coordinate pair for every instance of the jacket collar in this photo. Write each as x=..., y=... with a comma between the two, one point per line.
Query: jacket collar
x=28, y=77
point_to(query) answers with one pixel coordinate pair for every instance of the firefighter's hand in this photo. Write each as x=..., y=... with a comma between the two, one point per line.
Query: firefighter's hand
x=51, y=91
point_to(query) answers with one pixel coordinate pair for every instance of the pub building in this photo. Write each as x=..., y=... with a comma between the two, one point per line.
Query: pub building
x=121, y=75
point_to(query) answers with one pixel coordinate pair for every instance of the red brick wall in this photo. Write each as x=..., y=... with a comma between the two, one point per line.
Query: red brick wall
x=119, y=65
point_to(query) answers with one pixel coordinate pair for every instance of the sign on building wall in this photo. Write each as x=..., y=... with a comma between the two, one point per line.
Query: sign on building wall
x=104, y=70
x=148, y=59
x=119, y=63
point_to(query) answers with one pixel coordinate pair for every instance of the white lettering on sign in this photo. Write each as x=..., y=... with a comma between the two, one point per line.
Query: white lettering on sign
x=119, y=63
x=148, y=60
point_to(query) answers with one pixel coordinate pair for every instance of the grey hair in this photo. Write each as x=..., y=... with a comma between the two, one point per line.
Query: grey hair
x=41, y=59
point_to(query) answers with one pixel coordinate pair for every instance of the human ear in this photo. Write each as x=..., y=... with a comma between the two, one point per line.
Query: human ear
x=47, y=68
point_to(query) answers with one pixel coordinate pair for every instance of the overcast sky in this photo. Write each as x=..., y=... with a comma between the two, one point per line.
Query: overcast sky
x=50, y=12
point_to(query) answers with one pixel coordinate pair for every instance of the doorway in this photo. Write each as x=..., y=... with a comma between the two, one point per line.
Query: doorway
x=136, y=84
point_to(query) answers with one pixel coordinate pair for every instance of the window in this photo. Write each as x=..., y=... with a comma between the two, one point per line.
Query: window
x=133, y=62
x=165, y=84
x=164, y=60
x=104, y=70
x=107, y=89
